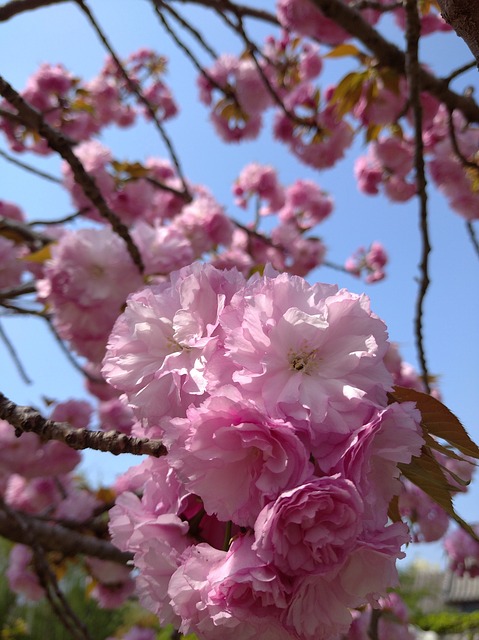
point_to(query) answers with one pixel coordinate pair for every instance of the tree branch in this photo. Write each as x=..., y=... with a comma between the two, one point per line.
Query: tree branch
x=15, y=7
x=27, y=419
x=59, y=143
x=413, y=30
x=22, y=528
x=133, y=88
x=388, y=55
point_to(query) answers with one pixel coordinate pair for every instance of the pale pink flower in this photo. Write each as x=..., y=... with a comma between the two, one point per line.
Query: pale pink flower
x=163, y=249
x=12, y=266
x=12, y=211
x=160, y=345
x=112, y=582
x=77, y=413
x=20, y=574
x=86, y=282
x=306, y=351
x=463, y=552
x=370, y=456
x=319, y=609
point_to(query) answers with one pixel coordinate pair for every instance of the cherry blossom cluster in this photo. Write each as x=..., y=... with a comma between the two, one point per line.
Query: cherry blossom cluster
x=271, y=508
x=82, y=109
x=38, y=479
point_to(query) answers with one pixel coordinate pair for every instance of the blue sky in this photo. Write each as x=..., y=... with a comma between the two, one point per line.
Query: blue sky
x=61, y=34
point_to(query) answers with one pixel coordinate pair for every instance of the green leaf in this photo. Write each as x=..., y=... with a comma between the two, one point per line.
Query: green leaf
x=438, y=420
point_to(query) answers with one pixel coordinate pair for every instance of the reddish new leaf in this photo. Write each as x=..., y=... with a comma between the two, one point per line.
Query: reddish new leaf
x=438, y=420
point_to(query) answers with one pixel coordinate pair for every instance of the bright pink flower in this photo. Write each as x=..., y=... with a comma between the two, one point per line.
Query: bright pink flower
x=312, y=528
x=306, y=204
x=262, y=181
x=235, y=458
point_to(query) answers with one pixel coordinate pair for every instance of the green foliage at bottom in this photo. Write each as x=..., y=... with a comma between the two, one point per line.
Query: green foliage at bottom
x=448, y=622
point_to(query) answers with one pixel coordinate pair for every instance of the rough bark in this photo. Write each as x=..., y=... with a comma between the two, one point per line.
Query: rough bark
x=463, y=16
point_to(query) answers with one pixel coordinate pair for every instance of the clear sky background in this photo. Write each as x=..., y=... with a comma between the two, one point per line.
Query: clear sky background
x=61, y=34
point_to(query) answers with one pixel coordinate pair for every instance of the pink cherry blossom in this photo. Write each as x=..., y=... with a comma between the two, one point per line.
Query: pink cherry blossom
x=159, y=346
x=311, y=528
x=235, y=458
x=305, y=351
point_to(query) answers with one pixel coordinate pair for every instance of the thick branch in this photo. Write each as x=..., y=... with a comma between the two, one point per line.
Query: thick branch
x=53, y=537
x=463, y=16
x=27, y=419
x=388, y=55
x=13, y=8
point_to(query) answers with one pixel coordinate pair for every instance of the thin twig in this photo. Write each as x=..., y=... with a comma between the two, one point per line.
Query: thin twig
x=21, y=290
x=14, y=356
x=15, y=229
x=59, y=604
x=28, y=420
x=413, y=30
x=188, y=53
x=472, y=234
x=460, y=71
x=133, y=87
x=186, y=25
x=29, y=168
x=59, y=221
x=33, y=119
x=46, y=577
x=388, y=55
x=252, y=49
x=238, y=9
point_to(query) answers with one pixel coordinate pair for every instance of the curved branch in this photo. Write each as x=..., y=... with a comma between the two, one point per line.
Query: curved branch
x=22, y=528
x=388, y=55
x=13, y=8
x=27, y=419
x=413, y=30
x=134, y=88
x=59, y=143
